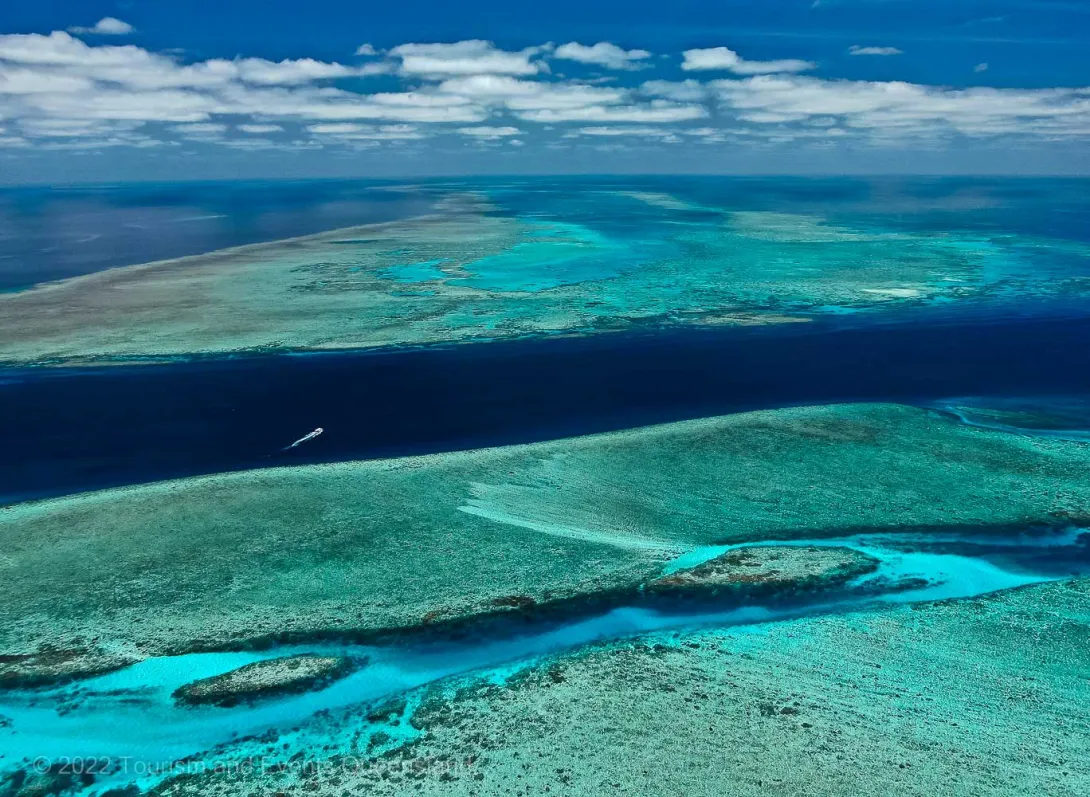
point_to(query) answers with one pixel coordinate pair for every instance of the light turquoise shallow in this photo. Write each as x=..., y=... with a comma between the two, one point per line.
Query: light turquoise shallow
x=129, y=715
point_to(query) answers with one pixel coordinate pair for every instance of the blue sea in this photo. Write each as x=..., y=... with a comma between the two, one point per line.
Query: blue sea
x=53, y=232
x=74, y=429
x=1010, y=355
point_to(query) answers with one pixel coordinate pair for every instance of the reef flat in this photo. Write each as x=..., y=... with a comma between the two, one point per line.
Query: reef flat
x=985, y=696
x=768, y=569
x=488, y=265
x=264, y=679
x=230, y=561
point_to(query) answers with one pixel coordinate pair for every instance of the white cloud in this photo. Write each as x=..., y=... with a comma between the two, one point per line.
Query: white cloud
x=657, y=111
x=122, y=104
x=23, y=80
x=980, y=68
x=59, y=55
x=201, y=130
x=602, y=54
x=525, y=95
x=472, y=57
x=681, y=91
x=58, y=92
x=419, y=99
x=72, y=128
x=626, y=130
x=723, y=58
x=303, y=70
x=489, y=133
x=366, y=49
x=857, y=50
x=356, y=132
x=537, y=101
x=107, y=26
x=906, y=109
x=60, y=49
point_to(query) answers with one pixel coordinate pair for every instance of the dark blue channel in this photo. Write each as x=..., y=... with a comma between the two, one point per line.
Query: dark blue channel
x=67, y=430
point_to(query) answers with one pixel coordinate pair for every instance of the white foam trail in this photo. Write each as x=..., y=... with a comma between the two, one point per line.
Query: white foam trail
x=304, y=439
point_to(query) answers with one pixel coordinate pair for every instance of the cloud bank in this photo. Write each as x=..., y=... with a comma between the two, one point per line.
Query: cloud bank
x=58, y=92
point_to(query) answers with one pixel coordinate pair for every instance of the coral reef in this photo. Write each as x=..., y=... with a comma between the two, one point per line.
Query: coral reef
x=265, y=679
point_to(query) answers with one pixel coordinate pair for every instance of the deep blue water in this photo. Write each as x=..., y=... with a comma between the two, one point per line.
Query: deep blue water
x=1047, y=207
x=49, y=233
x=66, y=430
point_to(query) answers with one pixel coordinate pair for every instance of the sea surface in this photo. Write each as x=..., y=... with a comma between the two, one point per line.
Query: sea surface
x=130, y=716
x=71, y=430
x=1015, y=359
x=53, y=232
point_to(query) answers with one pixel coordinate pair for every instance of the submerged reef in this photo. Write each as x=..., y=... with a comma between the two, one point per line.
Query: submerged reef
x=56, y=780
x=476, y=269
x=983, y=696
x=265, y=679
x=249, y=559
x=768, y=570
x=49, y=664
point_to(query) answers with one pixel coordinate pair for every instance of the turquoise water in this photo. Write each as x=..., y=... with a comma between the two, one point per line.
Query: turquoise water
x=569, y=256
x=1058, y=417
x=555, y=254
x=129, y=716
x=424, y=271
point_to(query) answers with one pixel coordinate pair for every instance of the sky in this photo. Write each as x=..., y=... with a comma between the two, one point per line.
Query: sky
x=119, y=90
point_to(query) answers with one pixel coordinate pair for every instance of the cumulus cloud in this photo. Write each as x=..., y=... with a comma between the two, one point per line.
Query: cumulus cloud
x=59, y=55
x=107, y=26
x=59, y=92
x=489, y=133
x=202, y=129
x=626, y=130
x=366, y=49
x=303, y=70
x=656, y=111
x=61, y=49
x=857, y=50
x=58, y=76
x=906, y=109
x=723, y=58
x=602, y=54
x=21, y=80
x=680, y=91
x=980, y=68
x=347, y=131
x=472, y=57
x=73, y=128
x=524, y=95
x=538, y=101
